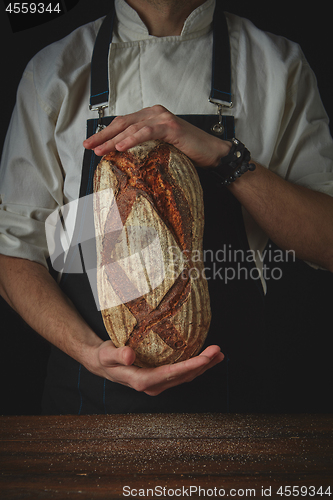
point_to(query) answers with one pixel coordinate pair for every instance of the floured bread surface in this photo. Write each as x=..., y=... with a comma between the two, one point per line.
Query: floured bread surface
x=151, y=285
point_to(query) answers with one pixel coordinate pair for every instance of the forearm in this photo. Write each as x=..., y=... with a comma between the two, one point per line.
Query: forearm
x=37, y=298
x=293, y=216
x=32, y=292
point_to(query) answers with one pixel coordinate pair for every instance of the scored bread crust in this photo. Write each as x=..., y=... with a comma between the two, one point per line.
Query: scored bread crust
x=158, y=194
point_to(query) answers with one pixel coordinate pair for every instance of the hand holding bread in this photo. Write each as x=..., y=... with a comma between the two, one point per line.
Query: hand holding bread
x=157, y=123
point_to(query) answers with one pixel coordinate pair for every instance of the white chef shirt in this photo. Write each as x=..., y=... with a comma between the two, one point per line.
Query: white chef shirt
x=277, y=108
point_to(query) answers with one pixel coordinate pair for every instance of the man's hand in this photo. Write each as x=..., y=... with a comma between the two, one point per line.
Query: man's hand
x=157, y=123
x=116, y=364
x=30, y=290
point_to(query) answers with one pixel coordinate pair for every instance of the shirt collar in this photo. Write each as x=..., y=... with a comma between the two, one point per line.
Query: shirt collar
x=132, y=28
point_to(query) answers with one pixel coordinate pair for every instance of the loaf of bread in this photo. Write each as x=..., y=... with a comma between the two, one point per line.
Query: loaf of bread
x=151, y=286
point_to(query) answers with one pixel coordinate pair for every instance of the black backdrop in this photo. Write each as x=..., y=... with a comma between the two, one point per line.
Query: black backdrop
x=298, y=305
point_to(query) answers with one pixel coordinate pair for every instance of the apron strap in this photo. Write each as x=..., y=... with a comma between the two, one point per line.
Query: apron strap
x=221, y=62
x=99, y=83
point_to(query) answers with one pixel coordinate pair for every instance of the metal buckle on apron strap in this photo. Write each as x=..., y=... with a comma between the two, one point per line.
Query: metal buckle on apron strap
x=218, y=128
x=100, y=110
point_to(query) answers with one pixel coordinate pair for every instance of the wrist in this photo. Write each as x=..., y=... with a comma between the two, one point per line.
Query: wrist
x=223, y=149
x=89, y=354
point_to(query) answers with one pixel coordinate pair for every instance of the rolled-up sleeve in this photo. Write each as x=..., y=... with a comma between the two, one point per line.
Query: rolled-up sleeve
x=31, y=177
x=304, y=149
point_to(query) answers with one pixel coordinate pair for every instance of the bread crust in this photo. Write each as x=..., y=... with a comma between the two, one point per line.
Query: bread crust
x=163, y=313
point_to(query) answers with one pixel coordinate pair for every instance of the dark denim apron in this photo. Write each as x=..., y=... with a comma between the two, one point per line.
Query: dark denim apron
x=237, y=303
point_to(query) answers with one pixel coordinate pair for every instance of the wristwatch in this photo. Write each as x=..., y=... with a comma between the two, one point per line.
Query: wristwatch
x=234, y=164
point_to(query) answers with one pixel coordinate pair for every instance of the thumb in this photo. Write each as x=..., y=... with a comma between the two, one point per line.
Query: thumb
x=110, y=355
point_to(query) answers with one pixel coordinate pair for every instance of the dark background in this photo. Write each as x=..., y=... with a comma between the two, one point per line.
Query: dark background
x=298, y=306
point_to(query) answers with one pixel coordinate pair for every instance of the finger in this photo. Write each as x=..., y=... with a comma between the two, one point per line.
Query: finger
x=214, y=361
x=118, y=125
x=153, y=381
x=211, y=351
x=111, y=356
x=130, y=137
x=172, y=375
x=107, y=134
x=135, y=135
x=208, y=358
x=211, y=356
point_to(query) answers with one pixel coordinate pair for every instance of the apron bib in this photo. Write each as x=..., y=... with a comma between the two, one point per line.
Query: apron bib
x=236, y=295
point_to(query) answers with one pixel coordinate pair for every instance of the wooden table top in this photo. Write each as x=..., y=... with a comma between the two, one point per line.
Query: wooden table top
x=166, y=455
